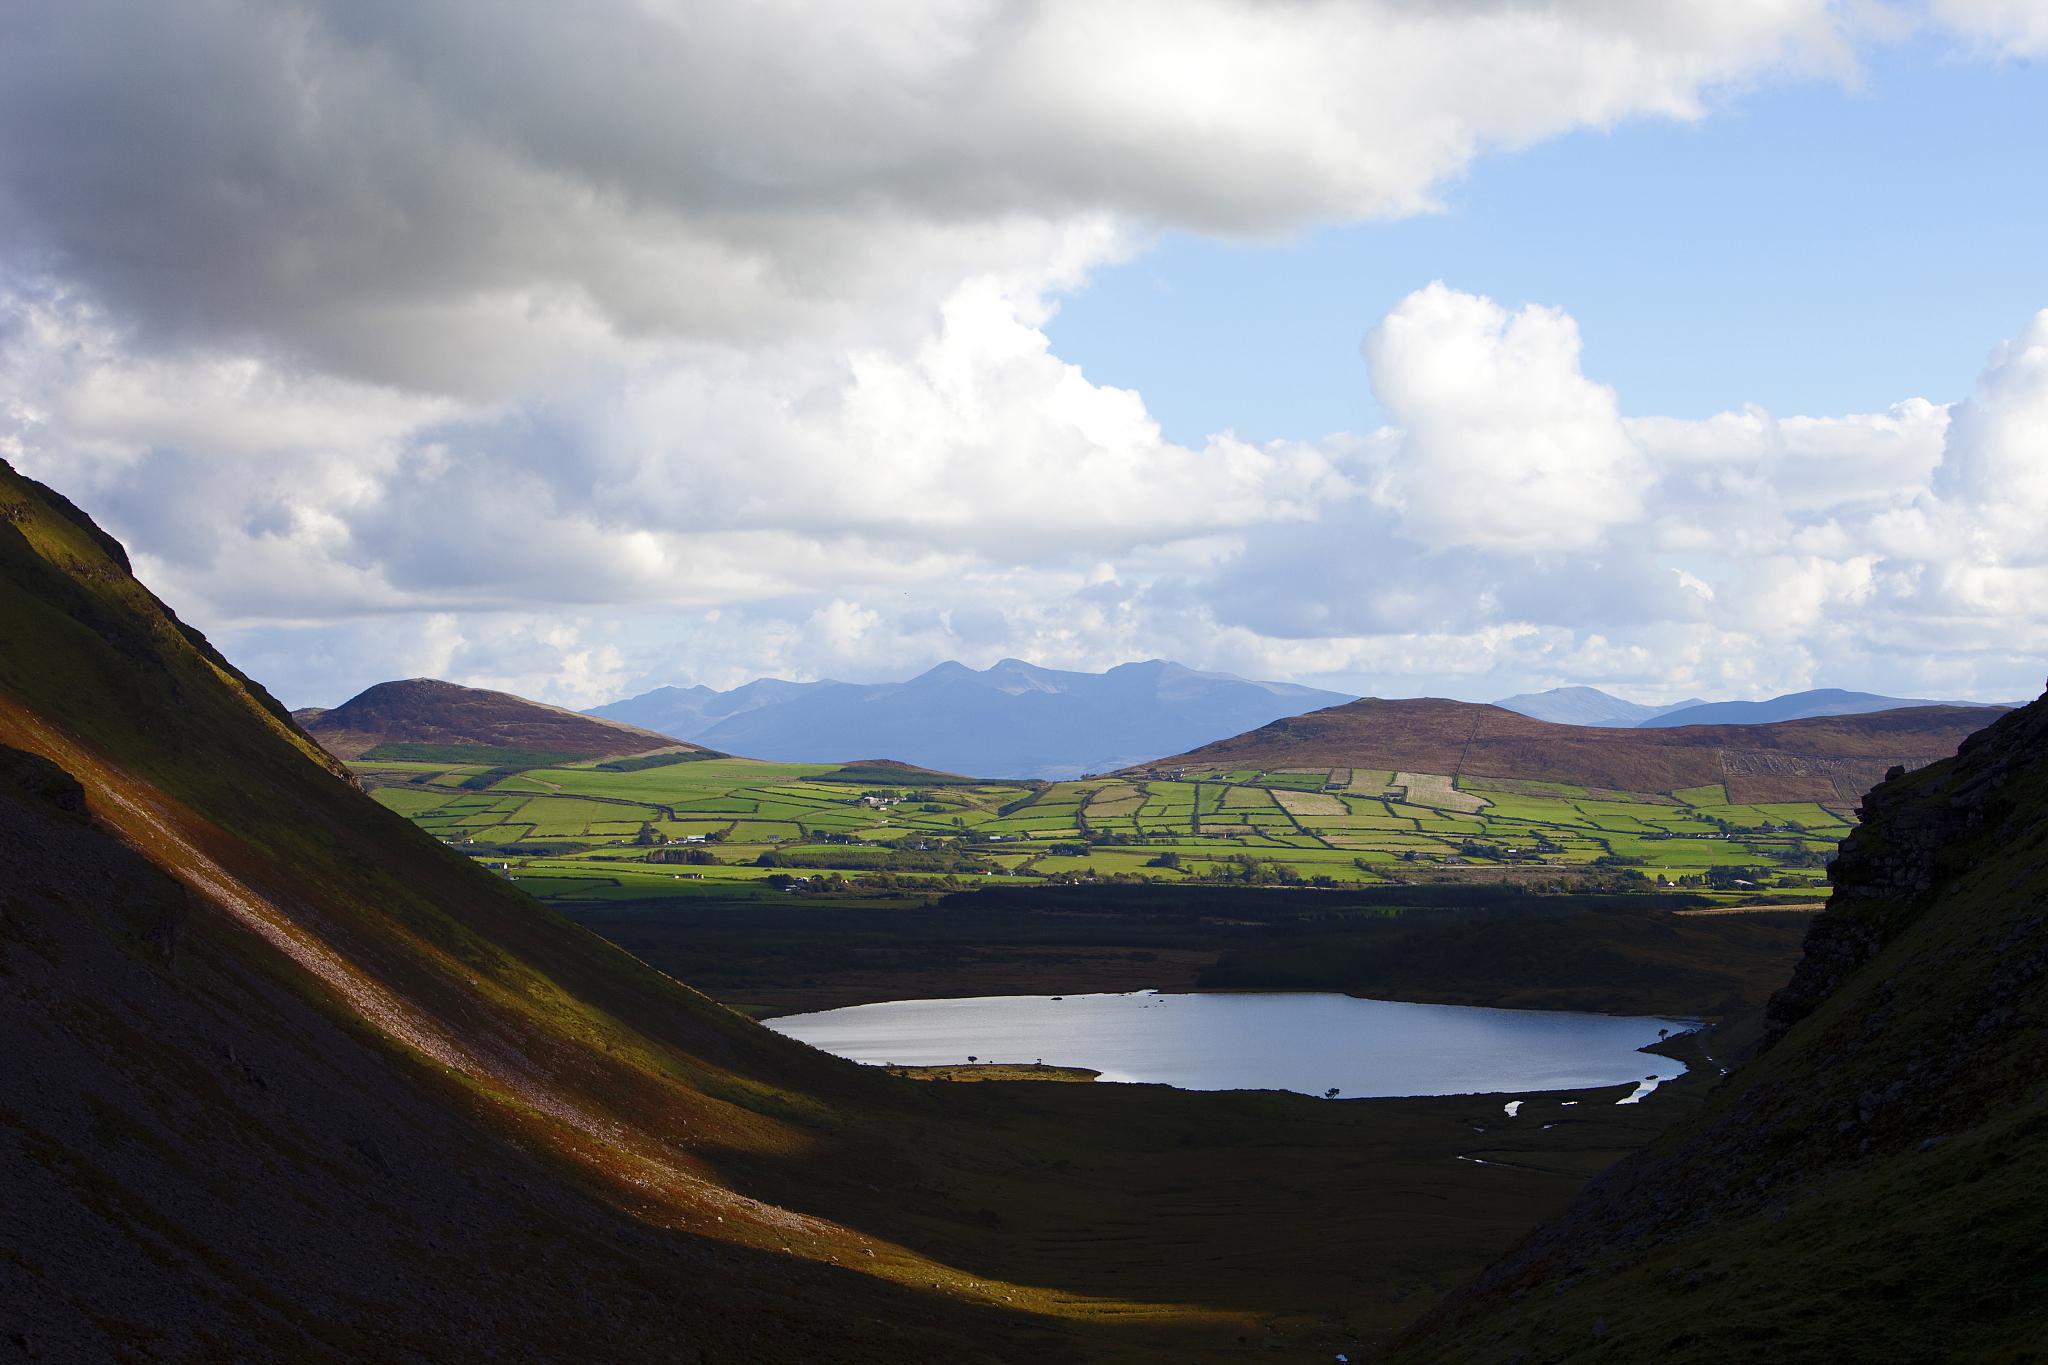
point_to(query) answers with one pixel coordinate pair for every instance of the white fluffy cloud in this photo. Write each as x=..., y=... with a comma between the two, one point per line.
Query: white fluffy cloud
x=1505, y=444
x=1997, y=454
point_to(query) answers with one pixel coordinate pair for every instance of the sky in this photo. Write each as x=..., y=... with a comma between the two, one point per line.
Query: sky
x=1390, y=347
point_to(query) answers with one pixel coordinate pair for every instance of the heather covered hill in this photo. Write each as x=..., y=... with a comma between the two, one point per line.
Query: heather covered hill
x=1871, y=1186
x=429, y=712
x=1833, y=759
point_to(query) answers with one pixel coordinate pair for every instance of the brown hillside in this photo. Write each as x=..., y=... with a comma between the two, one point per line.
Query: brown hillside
x=429, y=711
x=1833, y=759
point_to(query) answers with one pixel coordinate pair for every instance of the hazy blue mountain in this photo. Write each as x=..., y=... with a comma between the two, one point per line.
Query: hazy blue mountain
x=1825, y=701
x=689, y=711
x=1012, y=719
x=1587, y=706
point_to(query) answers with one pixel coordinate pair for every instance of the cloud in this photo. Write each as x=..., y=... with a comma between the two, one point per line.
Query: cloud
x=571, y=349
x=1995, y=466
x=263, y=495
x=2013, y=28
x=1505, y=444
x=979, y=498
x=1738, y=553
x=474, y=199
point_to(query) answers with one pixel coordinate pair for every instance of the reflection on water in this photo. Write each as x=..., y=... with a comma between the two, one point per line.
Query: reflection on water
x=1317, y=1044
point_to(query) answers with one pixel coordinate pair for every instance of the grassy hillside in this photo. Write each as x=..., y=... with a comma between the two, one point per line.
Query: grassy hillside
x=290, y=1079
x=1870, y=1188
x=1832, y=759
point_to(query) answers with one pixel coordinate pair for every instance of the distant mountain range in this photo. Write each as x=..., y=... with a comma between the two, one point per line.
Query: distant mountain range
x=1588, y=706
x=1591, y=706
x=1826, y=701
x=1828, y=759
x=1012, y=719
x=427, y=711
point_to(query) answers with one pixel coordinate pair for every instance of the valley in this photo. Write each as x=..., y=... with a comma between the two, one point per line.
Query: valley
x=290, y=1079
x=295, y=1077
x=609, y=831
x=797, y=684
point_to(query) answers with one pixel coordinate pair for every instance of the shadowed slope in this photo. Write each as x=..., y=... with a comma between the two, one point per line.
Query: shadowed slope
x=1832, y=759
x=287, y=1077
x=1871, y=1187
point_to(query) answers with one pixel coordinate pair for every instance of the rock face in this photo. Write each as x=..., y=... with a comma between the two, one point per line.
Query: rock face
x=1869, y=1186
x=1905, y=848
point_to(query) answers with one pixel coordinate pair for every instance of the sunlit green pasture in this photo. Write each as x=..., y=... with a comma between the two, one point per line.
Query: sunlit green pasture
x=690, y=828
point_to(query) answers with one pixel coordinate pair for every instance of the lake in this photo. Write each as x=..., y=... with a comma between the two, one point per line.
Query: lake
x=1300, y=1041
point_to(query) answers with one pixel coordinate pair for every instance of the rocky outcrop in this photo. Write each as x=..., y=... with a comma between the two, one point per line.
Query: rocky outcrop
x=1916, y=835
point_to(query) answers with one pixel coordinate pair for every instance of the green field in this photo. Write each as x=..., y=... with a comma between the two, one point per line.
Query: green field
x=610, y=830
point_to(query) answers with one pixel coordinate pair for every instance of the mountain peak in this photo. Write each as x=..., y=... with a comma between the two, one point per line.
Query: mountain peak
x=1581, y=705
x=1824, y=701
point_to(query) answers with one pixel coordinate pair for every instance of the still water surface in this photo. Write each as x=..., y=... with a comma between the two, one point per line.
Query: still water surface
x=1255, y=1041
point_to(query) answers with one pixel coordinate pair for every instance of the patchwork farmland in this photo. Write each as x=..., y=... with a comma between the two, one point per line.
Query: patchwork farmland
x=687, y=826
